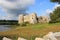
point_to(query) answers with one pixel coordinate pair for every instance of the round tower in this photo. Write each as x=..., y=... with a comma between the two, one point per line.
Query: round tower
x=21, y=19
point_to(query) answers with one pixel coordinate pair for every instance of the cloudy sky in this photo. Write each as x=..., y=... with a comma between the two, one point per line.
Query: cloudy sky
x=10, y=9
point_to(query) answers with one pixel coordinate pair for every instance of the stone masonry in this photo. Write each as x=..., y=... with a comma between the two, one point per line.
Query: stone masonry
x=43, y=19
x=32, y=19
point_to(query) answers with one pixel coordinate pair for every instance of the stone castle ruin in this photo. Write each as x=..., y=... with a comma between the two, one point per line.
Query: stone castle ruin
x=43, y=19
x=32, y=19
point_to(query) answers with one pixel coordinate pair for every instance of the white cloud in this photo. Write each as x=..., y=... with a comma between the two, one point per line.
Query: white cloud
x=2, y=17
x=16, y=4
x=56, y=5
x=48, y=11
x=15, y=7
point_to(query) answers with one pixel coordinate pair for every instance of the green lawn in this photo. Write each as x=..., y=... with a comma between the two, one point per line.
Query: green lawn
x=31, y=31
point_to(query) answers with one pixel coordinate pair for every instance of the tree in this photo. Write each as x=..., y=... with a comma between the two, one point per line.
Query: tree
x=56, y=1
x=55, y=16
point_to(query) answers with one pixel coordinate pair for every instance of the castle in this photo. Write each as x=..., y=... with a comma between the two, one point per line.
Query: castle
x=32, y=19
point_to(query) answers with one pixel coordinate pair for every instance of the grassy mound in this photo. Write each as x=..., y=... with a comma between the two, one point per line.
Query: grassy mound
x=31, y=31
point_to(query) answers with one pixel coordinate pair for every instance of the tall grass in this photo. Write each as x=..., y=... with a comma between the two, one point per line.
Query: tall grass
x=30, y=31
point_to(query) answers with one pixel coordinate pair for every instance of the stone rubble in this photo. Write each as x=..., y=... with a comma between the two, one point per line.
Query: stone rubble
x=19, y=38
x=5, y=38
x=49, y=36
x=57, y=33
x=39, y=38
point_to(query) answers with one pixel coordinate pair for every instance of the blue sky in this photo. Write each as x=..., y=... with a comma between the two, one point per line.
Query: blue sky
x=40, y=7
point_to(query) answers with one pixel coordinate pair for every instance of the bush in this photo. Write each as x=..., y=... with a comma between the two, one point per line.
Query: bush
x=23, y=24
x=58, y=20
x=55, y=16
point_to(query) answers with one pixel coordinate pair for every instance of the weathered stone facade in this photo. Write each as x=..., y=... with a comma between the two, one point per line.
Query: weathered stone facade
x=21, y=19
x=19, y=38
x=5, y=38
x=43, y=19
x=33, y=18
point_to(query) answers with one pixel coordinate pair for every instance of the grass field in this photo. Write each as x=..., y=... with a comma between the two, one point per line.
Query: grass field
x=31, y=31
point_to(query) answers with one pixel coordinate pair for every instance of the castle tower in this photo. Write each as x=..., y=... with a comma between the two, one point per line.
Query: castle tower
x=21, y=19
x=33, y=18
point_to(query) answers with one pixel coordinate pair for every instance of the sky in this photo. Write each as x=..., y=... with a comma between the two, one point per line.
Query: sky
x=41, y=7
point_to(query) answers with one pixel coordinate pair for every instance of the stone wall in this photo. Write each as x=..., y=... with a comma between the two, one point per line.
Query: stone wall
x=43, y=19
x=50, y=36
x=33, y=18
x=21, y=19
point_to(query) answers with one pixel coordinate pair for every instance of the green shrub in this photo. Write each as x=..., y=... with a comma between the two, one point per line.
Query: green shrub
x=58, y=20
